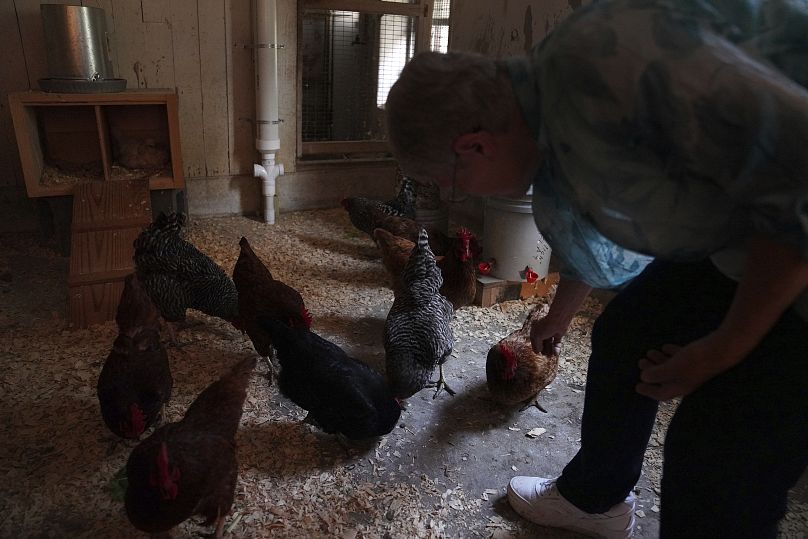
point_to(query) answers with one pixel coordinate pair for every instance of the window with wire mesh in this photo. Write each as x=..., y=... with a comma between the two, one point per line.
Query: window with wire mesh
x=440, y=25
x=349, y=61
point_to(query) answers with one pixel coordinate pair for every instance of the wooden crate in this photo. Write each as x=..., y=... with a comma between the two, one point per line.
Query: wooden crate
x=491, y=290
x=83, y=129
x=107, y=217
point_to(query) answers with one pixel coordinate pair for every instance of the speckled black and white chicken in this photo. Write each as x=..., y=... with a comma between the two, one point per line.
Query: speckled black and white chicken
x=418, y=334
x=178, y=276
x=359, y=208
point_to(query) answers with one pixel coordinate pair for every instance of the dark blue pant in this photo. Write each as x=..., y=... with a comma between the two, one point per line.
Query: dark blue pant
x=734, y=447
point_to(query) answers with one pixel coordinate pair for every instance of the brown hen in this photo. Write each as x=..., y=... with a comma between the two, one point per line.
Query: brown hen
x=409, y=229
x=190, y=467
x=457, y=267
x=135, y=381
x=261, y=295
x=515, y=373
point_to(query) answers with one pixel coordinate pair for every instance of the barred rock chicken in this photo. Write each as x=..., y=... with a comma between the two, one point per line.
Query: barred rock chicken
x=178, y=276
x=342, y=394
x=417, y=333
x=260, y=294
x=457, y=267
x=190, y=467
x=359, y=208
x=135, y=381
x=515, y=373
x=409, y=229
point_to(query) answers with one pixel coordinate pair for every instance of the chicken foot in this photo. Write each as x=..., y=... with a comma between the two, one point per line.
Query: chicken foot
x=441, y=384
x=219, y=526
x=273, y=371
x=535, y=402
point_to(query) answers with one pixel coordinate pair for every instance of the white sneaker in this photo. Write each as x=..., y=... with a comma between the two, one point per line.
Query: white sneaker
x=537, y=499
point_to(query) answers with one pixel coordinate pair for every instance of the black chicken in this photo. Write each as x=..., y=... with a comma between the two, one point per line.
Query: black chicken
x=190, y=467
x=418, y=334
x=260, y=294
x=359, y=208
x=341, y=394
x=135, y=381
x=178, y=276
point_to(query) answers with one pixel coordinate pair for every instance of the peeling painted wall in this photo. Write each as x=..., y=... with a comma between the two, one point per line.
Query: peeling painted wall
x=508, y=27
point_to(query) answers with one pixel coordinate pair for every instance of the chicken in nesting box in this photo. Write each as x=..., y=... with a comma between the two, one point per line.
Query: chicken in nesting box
x=342, y=394
x=515, y=373
x=360, y=208
x=135, y=381
x=417, y=333
x=136, y=153
x=178, y=276
x=260, y=294
x=190, y=467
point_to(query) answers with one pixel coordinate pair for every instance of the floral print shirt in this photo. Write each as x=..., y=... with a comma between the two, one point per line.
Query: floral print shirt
x=672, y=128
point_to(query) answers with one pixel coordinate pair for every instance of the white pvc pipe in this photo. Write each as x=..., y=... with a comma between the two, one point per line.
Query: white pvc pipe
x=267, y=140
x=267, y=172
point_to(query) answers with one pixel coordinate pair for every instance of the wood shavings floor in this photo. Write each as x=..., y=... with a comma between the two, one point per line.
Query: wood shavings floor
x=441, y=473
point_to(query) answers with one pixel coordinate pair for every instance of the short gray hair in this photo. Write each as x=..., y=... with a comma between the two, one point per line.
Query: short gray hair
x=439, y=97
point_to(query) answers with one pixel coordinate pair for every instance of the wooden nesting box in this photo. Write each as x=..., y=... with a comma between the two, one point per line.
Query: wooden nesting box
x=70, y=139
x=107, y=217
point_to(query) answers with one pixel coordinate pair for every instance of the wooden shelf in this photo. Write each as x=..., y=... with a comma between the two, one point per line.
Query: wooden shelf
x=50, y=126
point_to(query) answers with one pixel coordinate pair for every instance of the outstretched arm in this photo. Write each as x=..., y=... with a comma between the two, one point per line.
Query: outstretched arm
x=546, y=333
x=775, y=275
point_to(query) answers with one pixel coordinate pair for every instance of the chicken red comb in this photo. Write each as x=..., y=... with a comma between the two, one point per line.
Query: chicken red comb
x=509, y=360
x=136, y=424
x=306, y=316
x=485, y=267
x=165, y=477
x=530, y=275
x=464, y=233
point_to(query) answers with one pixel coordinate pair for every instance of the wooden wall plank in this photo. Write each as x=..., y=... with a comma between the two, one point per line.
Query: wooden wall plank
x=241, y=86
x=145, y=49
x=213, y=73
x=155, y=10
x=185, y=34
x=287, y=83
x=502, y=29
x=33, y=38
x=14, y=78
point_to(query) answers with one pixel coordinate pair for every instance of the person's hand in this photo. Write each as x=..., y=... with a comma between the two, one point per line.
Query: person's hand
x=546, y=334
x=676, y=371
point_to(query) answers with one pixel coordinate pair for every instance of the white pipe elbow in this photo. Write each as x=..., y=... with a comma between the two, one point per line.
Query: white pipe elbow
x=268, y=174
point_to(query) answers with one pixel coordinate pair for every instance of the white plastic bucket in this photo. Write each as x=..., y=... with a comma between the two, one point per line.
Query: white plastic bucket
x=512, y=239
x=431, y=220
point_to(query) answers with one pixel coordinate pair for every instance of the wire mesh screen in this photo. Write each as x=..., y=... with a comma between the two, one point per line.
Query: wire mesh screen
x=350, y=60
x=396, y=47
x=440, y=25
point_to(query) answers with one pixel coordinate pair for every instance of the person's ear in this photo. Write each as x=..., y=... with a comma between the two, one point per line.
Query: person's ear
x=480, y=142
